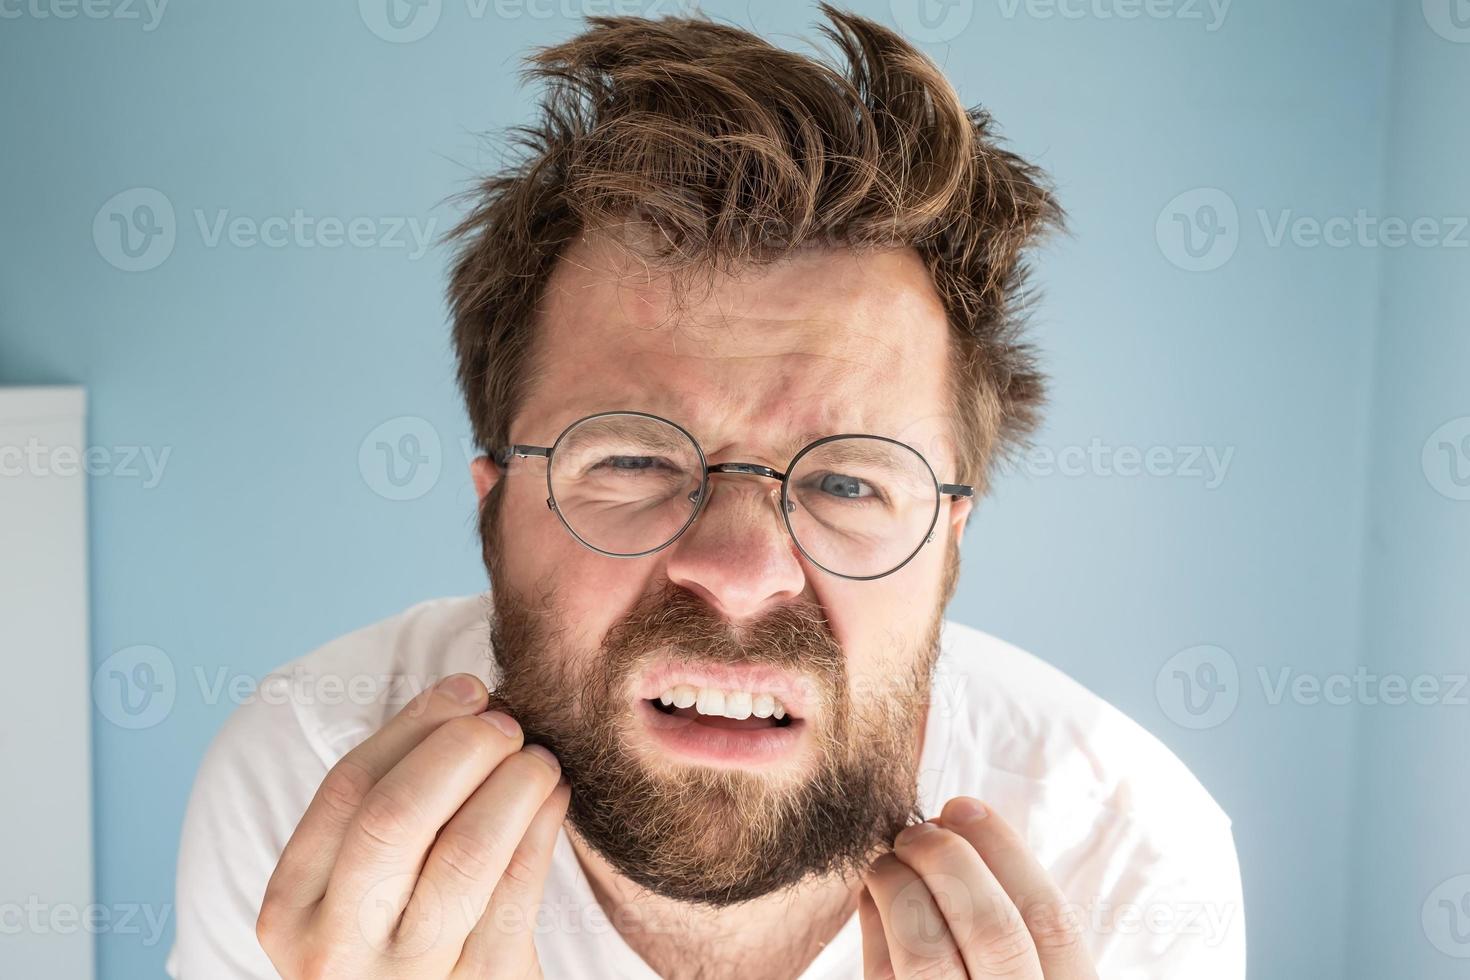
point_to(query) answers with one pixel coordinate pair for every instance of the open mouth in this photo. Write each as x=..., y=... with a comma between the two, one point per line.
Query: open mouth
x=729, y=710
x=693, y=721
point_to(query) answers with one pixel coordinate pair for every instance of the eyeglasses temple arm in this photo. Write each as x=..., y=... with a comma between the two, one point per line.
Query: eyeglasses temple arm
x=956, y=490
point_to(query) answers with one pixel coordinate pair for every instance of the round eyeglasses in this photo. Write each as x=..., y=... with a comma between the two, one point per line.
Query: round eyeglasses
x=627, y=484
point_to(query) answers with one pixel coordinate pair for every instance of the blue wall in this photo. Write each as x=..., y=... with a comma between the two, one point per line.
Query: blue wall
x=1411, y=839
x=1312, y=539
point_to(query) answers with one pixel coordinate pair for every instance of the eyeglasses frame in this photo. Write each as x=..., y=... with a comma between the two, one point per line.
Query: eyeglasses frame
x=954, y=491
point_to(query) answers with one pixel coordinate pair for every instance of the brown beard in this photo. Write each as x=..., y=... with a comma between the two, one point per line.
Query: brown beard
x=700, y=834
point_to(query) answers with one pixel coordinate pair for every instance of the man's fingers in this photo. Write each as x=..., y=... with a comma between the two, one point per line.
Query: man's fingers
x=476, y=846
x=918, y=938
x=399, y=818
x=992, y=938
x=877, y=964
x=305, y=865
x=503, y=943
x=1052, y=921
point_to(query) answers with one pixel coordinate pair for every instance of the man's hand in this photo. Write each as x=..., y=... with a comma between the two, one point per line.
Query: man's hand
x=424, y=851
x=964, y=897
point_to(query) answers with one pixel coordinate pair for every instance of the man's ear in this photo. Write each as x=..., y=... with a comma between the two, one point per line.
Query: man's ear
x=485, y=474
x=959, y=515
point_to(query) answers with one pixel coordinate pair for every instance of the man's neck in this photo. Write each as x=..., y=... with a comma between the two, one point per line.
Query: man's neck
x=776, y=936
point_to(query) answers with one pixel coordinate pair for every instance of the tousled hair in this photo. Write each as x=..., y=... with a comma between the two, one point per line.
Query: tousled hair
x=726, y=151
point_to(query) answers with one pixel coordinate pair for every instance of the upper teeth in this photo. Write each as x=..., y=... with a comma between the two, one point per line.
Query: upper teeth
x=729, y=704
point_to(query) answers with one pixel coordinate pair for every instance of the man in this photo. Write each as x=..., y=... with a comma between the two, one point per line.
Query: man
x=738, y=338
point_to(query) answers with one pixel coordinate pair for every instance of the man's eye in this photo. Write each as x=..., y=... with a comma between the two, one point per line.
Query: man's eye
x=839, y=485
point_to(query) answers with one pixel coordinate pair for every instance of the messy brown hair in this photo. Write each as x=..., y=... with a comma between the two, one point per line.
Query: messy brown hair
x=728, y=152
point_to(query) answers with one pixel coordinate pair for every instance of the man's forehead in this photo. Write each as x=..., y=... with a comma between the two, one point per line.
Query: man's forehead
x=825, y=343
x=783, y=425
x=854, y=299
x=820, y=330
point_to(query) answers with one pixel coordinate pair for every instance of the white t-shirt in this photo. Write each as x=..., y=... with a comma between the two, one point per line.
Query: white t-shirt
x=1128, y=833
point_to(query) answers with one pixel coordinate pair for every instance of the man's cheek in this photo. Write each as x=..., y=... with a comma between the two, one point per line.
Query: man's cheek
x=874, y=684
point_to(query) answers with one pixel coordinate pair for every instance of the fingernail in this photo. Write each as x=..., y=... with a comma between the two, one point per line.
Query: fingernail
x=915, y=830
x=462, y=688
x=504, y=722
x=544, y=754
x=965, y=809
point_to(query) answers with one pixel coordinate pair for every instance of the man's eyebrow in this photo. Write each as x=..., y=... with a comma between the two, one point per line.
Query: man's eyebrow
x=865, y=452
x=858, y=451
x=807, y=438
x=657, y=437
x=630, y=427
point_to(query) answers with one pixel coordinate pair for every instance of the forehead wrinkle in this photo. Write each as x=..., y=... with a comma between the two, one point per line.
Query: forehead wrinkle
x=795, y=335
x=814, y=384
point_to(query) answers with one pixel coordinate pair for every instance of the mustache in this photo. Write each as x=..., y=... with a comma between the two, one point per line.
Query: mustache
x=674, y=621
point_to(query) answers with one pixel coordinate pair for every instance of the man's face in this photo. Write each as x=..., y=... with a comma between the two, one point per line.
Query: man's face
x=685, y=801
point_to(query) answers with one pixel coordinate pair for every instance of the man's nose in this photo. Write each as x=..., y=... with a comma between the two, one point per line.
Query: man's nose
x=738, y=555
